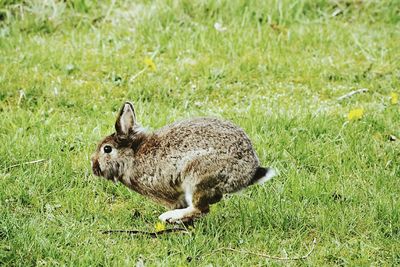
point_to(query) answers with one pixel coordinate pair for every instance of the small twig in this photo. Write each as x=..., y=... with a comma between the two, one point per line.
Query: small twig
x=363, y=90
x=21, y=96
x=138, y=232
x=26, y=163
x=272, y=257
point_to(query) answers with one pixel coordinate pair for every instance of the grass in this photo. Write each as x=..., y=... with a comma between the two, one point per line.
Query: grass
x=277, y=71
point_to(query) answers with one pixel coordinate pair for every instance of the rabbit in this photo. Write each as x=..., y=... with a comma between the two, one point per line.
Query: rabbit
x=186, y=166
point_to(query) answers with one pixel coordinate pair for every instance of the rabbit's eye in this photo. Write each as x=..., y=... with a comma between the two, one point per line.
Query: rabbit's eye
x=107, y=149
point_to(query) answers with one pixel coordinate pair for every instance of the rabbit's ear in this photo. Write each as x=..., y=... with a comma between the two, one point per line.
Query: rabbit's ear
x=126, y=119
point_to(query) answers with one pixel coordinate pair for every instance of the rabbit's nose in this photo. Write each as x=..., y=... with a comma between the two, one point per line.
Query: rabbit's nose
x=96, y=167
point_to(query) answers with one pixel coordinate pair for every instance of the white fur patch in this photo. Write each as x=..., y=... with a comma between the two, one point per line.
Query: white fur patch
x=187, y=188
x=140, y=129
x=268, y=176
x=176, y=215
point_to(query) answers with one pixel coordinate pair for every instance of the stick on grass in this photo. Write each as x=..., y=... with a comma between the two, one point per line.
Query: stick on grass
x=152, y=234
x=363, y=90
x=26, y=163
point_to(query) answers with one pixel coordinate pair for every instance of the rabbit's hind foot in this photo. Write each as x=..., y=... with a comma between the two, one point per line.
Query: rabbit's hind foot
x=180, y=215
x=199, y=204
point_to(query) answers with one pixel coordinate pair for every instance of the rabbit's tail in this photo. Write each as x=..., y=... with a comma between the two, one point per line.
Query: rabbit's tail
x=262, y=175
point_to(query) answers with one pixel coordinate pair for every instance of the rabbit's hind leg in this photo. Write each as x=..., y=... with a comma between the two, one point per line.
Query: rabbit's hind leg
x=207, y=180
x=182, y=215
x=198, y=200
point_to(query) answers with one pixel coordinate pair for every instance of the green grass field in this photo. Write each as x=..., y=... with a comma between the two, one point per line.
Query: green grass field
x=275, y=68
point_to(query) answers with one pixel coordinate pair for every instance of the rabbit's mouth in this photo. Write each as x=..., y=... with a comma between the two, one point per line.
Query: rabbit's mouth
x=102, y=173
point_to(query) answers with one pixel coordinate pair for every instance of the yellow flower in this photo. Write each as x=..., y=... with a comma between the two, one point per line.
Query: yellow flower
x=355, y=114
x=394, y=98
x=150, y=64
x=159, y=226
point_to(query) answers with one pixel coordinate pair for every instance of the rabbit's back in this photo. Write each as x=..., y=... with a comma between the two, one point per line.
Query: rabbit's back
x=208, y=134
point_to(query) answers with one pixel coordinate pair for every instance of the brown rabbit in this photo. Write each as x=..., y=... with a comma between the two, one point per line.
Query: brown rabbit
x=185, y=166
